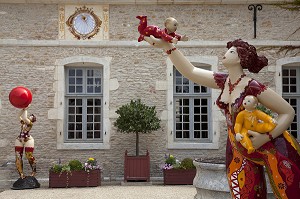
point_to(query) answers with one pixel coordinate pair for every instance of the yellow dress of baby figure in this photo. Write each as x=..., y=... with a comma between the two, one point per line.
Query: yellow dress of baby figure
x=252, y=119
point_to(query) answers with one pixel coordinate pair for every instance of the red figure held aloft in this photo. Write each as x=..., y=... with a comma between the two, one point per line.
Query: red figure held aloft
x=168, y=34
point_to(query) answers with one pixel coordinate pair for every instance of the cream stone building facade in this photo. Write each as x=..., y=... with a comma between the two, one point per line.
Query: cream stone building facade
x=78, y=84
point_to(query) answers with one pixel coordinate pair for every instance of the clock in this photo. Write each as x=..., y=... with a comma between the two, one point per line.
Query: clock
x=84, y=23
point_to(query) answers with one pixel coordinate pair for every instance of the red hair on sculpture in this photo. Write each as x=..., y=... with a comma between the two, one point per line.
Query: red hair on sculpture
x=248, y=56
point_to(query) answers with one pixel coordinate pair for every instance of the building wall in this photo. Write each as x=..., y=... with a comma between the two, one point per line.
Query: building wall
x=29, y=49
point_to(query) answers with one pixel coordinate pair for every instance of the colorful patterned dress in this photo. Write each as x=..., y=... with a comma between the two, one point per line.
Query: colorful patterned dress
x=280, y=157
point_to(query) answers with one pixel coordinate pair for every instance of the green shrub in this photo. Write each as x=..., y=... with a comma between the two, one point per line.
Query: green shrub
x=57, y=168
x=187, y=163
x=75, y=165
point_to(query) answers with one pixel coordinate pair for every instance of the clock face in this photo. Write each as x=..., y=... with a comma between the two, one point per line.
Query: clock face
x=84, y=23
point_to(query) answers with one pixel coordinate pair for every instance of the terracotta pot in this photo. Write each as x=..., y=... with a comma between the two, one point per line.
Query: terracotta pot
x=179, y=176
x=75, y=179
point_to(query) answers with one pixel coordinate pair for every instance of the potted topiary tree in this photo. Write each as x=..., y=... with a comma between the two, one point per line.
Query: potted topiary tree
x=137, y=117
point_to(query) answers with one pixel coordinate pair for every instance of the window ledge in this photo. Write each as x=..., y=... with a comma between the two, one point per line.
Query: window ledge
x=82, y=146
x=193, y=146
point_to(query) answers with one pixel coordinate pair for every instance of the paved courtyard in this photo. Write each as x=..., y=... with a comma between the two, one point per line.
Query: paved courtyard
x=107, y=192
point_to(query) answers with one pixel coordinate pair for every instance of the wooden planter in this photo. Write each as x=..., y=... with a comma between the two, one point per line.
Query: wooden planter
x=179, y=176
x=75, y=179
x=137, y=168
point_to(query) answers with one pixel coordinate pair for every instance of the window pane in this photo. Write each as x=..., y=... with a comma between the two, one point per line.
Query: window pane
x=71, y=80
x=90, y=118
x=89, y=110
x=97, y=126
x=204, y=134
x=97, y=102
x=186, y=134
x=71, y=126
x=71, y=118
x=79, y=72
x=89, y=126
x=90, y=135
x=71, y=72
x=71, y=135
x=97, y=134
x=97, y=110
x=71, y=102
x=78, y=135
x=196, y=134
x=178, y=134
x=90, y=102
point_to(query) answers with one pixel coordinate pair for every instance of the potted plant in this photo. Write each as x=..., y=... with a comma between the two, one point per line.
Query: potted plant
x=178, y=173
x=137, y=117
x=75, y=174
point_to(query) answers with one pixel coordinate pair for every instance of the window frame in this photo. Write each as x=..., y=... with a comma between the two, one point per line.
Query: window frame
x=57, y=113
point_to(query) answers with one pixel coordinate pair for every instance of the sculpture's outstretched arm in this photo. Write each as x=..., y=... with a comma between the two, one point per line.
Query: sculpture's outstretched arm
x=183, y=65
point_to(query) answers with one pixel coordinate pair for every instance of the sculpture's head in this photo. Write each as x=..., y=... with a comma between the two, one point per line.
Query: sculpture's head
x=171, y=24
x=250, y=102
x=248, y=56
x=32, y=118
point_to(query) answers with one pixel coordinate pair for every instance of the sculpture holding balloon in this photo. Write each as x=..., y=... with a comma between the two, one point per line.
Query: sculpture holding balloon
x=21, y=97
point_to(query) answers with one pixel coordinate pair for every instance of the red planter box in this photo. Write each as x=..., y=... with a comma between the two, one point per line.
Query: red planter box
x=137, y=168
x=179, y=176
x=75, y=179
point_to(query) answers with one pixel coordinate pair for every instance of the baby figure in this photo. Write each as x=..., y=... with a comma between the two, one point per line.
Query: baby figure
x=251, y=119
x=168, y=34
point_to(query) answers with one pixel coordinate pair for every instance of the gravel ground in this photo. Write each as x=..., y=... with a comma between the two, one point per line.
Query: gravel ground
x=105, y=192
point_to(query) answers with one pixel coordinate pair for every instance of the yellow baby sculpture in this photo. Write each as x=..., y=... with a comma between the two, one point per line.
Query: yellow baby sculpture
x=252, y=119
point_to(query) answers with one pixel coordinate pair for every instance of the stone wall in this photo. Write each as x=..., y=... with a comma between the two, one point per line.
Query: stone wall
x=136, y=67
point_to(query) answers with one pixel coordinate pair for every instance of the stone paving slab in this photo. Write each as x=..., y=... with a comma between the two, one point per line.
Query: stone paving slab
x=107, y=192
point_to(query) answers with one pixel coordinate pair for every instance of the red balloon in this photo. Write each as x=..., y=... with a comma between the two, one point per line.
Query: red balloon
x=20, y=97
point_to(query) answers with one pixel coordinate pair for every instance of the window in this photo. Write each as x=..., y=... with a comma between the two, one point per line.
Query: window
x=81, y=102
x=84, y=99
x=191, y=109
x=193, y=119
x=291, y=93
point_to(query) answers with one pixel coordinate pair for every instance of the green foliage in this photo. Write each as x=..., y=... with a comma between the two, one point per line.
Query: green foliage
x=75, y=165
x=187, y=163
x=66, y=168
x=137, y=117
x=265, y=110
x=57, y=168
x=172, y=163
x=170, y=160
x=290, y=5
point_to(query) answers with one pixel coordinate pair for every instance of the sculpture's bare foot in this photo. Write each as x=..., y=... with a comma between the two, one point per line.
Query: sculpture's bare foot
x=22, y=176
